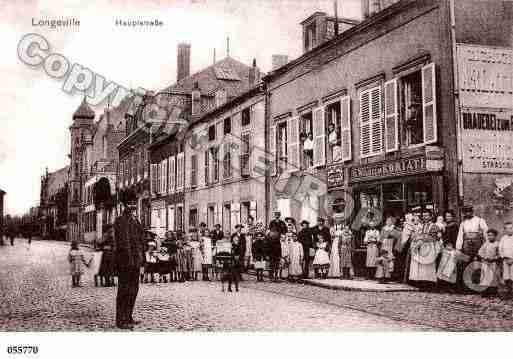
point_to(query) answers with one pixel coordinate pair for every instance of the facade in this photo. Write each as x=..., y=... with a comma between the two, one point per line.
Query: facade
x=223, y=184
x=53, y=204
x=386, y=85
x=2, y=194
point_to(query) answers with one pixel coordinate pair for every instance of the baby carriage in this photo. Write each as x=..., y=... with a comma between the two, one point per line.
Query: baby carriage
x=224, y=264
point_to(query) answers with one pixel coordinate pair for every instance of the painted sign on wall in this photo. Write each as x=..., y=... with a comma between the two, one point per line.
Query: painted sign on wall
x=487, y=139
x=485, y=76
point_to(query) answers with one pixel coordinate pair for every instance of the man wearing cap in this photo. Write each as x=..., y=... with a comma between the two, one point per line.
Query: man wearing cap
x=277, y=225
x=306, y=239
x=217, y=234
x=238, y=240
x=128, y=252
x=321, y=229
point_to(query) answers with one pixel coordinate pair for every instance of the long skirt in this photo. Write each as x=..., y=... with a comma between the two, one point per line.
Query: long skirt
x=334, y=261
x=345, y=257
x=423, y=261
x=372, y=255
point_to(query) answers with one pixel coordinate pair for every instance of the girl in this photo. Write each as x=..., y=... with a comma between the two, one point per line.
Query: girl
x=321, y=262
x=446, y=272
x=76, y=258
x=196, y=257
x=284, y=261
x=336, y=233
x=206, y=250
x=490, y=257
x=259, y=252
x=151, y=259
x=170, y=244
x=181, y=260
x=345, y=247
x=296, y=258
x=384, y=265
x=371, y=239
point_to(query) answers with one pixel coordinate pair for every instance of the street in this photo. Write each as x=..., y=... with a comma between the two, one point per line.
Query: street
x=37, y=295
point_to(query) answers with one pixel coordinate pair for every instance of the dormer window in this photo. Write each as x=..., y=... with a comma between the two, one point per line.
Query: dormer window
x=310, y=36
x=220, y=96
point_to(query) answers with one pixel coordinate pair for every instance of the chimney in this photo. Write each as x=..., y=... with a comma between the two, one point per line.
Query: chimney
x=279, y=61
x=183, y=61
x=254, y=75
x=196, y=99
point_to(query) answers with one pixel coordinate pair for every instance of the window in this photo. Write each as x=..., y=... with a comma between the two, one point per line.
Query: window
x=227, y=160
x=227, y=222
x=245, y=155
x=214, y=153
x=207, y=167
x=370, y=122
x=211, y=216
x=246, y=117
x=104, y=146
x=179, y=171
x=244, y=211
x=179, y=218
x=281, y=145
x=227, y=125
x=332, y=117
x=172, y=174
x=193, y=217
x=411, y=94
x=194, y=170
x=220, y=97
x=212, y=133
x=310, y=36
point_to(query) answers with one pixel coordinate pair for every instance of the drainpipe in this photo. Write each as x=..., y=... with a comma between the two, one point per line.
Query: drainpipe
x=456, y=98
x=267, y=119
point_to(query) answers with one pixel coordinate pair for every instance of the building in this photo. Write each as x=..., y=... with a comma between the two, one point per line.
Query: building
x=387, y=86
x=53, y=204
x=195, y=95
x=2, y=194
x=223, y=184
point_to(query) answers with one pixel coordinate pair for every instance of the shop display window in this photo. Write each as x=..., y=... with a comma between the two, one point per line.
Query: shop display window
x=420, y=195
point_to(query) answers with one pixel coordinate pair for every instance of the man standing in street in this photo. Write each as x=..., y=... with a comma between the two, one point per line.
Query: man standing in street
x=217, y=234
x=321, y=229
x=277, y=224
x=238, y=240
x=128, y=253
x=305, y=238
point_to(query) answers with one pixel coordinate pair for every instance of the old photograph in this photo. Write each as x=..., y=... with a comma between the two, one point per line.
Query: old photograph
x=256, y=166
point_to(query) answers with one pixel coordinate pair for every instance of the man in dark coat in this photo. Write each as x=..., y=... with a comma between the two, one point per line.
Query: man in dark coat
x=306, y=239
x=277, y=224
x=321, y=229
x=129, y=257
x=238, y=240
x=217, y=234
x=274, y=248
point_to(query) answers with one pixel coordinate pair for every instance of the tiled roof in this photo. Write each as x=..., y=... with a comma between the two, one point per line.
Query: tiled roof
x=84, y=111
x=227, y=73
x=57, y=180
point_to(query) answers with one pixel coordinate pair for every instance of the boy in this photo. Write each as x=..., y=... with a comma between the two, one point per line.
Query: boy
x=489, y=254
x=506, y=254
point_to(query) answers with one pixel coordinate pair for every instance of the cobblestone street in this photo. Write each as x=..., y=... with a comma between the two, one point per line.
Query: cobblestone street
x=37, y=295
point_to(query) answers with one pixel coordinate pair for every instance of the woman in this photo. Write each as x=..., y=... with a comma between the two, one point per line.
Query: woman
x=451, y=229
x=345, y=247
x=197, y=258
x=336, y=233
x=106, y=272
x=371, y=240
x=206, y=250
x=295, y=258
x=424, y=250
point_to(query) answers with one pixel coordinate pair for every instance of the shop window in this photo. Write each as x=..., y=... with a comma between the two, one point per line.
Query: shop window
x=193, y=217
x=393, y=198
x=332, y=116
x=282, y=143
x=246, y=117
x=212, y=133
x=244, y=211
x=413, y=123
x=245, y=155
x=420, y=195
x=227, y=125
x=194, y=170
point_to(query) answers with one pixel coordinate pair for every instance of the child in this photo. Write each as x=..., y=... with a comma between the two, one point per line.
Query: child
x=489, y=254
x=447, y=267
x=259, y=253
x=151, y=259
x=76, y=258
x=506, y=254
x=284, y=261
x=197, y=257
x=181, y=261
x=295, y=258
x=384, y=266
x=163, y=264
x=206, y=250
x=371, y=240
x=345, y=247
x=321, y=262
x=170, y=244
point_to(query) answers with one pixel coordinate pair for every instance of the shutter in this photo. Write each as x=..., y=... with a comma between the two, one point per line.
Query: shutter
x=216, y=215
x=170, y=218
x=365, y=130
x=225, y=164
x=220, y=158
x=319, y=136
x=253, y=210
x=429, y=104
x=179, y=172
x=207, y=167
x=271, y=164
x=391, y=117
x=204, y=215
x=235, y=215
x=377, y=133
x=153, y=178
x=293, y=164
x=345, y=128
x=172, y=174
x=200, y=170
x=166, y=165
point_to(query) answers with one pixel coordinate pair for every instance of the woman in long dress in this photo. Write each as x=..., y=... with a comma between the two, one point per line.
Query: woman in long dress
x=425, y=247
x=336, y=233
x=371, y=240
x=345, y=247
x=295, y=258
x=207, y=255
x=197, y=257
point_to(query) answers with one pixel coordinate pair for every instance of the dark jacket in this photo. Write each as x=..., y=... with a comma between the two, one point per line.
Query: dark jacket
x=239, y=249
x=305, y=237
x=216, y=236
x=278, y=225
x=325, y=231
x=259, y=249
x=274, y=248
x=451, y=233
x=128, y=243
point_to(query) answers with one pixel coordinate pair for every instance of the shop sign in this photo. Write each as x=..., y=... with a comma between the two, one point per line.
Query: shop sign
x=401, y=167
x=336, y=176
x=487, y=140
x=485, y=76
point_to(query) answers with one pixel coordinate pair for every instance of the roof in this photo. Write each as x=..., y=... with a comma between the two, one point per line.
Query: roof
x=2, y=192
x=57, y=180
x=84, y=111
x=228, y=73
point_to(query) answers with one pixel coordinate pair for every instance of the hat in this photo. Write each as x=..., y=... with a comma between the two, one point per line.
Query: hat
x=290, y=219
x=468, y=208
x=277, y=212
x=239, y=226
x=305, y=222
x=320, y=219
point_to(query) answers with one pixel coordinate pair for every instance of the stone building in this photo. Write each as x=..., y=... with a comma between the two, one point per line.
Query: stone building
x=2, y=194
x=53, y=203
x=388, y=85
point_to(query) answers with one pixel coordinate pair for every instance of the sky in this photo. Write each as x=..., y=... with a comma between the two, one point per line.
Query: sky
x=36, y=113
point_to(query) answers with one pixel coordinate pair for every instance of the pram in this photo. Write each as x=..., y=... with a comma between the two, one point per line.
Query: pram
x=224, y=265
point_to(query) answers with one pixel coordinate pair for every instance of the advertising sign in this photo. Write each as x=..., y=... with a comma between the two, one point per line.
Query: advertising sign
x=485, y=76
x=487, y=140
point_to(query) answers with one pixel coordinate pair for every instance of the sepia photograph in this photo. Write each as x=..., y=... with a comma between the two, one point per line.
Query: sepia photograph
x=285, y=166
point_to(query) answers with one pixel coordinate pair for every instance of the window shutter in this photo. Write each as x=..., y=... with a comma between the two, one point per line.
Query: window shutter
x=319, y=136
x=271, y=164
x=391, y=117
x=377, y=135
x=165, y=176
x=172, y=174
x=345, y=128
x=179, y=171
x=207, y=167
x=157, y=188
x=216, y=215
x=365, y=124
x=220, y=159
x=293, y=144
x=235, y=215
x=204, y=215
x=253, y=210
x=429, y=104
